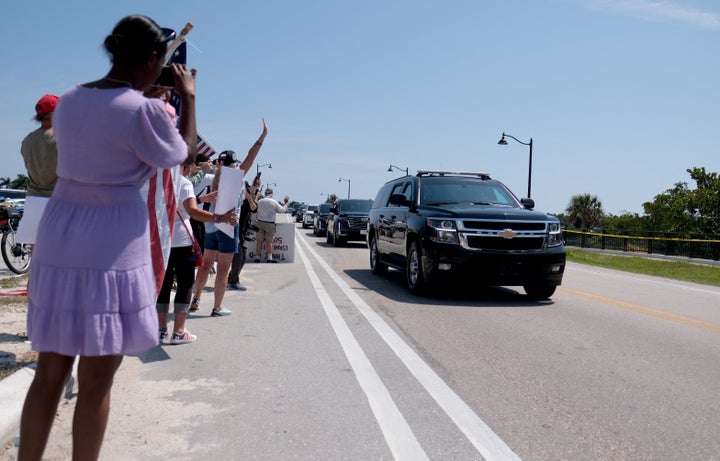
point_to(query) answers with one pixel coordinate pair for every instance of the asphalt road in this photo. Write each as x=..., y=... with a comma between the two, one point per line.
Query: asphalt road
x=321, y=360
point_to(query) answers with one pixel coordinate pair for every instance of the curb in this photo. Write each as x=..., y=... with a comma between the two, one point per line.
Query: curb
x=12, y=394
x=13, y=390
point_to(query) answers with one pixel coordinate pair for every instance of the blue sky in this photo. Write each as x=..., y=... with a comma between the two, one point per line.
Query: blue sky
x=619, y=97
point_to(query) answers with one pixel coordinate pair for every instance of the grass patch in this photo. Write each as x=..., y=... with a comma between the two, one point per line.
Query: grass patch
x=10, y=283
x=676, y=270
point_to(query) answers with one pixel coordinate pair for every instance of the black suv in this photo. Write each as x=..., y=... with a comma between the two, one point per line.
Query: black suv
x=348, y=220
x=441, y=226
x=320, y=219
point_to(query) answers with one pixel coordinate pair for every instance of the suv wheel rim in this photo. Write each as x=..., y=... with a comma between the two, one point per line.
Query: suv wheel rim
x=413, y=268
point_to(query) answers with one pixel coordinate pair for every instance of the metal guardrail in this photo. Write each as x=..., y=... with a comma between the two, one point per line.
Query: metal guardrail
x=667, y=246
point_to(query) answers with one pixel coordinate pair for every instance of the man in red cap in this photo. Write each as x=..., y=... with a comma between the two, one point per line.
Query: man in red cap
x=40, y=154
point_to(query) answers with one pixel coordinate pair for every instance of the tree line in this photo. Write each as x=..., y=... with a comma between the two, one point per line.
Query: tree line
x=681, y=211
x=20, y=182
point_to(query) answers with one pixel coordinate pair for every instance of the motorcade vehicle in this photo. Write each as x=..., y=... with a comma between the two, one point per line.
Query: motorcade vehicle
x=443, y=227
x=299, y=210
x=308, y=216
x=347, y=221
x=320, y=219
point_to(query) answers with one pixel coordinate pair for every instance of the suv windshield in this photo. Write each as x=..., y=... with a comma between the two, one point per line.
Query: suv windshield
x=312, y=208
x=355, y=205
x=325, y=207
x=445, y=191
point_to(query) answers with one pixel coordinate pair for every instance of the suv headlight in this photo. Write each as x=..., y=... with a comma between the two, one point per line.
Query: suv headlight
x=555, y=235
x=445, y=230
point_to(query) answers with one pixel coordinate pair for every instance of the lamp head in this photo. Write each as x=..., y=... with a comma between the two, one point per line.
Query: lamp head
x=503, y=141
x=390, y=168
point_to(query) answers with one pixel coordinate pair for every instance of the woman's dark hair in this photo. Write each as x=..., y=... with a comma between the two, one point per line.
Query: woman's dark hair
x=134, y=39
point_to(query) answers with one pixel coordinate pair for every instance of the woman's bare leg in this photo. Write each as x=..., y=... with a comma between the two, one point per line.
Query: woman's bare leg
x=41, y=403
x=95, y=380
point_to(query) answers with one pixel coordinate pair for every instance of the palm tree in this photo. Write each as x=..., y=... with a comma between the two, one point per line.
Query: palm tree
x=585, y=211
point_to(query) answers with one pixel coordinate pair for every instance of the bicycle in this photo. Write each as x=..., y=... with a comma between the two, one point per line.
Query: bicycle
x=17, y=256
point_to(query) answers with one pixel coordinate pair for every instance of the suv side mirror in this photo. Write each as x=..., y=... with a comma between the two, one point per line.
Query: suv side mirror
x=399, y=200
x=528, y=203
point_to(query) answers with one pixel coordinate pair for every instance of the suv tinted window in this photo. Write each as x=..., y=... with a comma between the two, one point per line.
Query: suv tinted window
x=355, y=205
x=444, y=191
x=382, y=196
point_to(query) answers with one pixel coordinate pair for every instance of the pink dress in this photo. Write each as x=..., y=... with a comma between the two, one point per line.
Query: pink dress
x=92, y=287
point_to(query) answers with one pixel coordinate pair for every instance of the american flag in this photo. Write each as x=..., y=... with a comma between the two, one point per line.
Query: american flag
x=159, y=192
x=204, y=147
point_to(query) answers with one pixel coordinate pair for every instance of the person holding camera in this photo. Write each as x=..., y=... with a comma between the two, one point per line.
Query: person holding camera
x=92, y=288
x=249, y=205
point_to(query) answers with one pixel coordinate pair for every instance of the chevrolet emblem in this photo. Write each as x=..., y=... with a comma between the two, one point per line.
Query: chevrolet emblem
x=508, y=233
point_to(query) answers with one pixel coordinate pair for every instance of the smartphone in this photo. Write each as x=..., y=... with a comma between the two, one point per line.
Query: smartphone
x=166, y=78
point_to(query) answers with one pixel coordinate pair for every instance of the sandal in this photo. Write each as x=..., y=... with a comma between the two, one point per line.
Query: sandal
x=195, y=304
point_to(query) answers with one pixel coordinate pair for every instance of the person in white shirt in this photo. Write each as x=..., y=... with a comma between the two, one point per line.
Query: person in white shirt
x=181, y=265
x=267, y=210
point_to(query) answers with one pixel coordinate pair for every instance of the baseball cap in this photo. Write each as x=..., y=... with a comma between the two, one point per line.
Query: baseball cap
x=201, y=158
x=46, y=104
x=268, y=191
x=227, y=157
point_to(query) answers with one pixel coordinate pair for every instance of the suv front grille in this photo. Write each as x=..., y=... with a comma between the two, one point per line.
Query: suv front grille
x=357, y=222
x=477, y=242
x=501, y=225
x=502, y=235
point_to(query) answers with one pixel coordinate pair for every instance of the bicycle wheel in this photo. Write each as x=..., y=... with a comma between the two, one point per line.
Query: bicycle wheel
x=16, y=255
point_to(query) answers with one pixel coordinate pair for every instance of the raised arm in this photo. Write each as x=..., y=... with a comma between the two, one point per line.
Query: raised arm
x=254, y=150
x=185, y=87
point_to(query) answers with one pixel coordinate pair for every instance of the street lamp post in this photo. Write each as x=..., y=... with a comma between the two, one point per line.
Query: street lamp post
x=503, y=142
x=348, y=181
x=269, y=165
x=406, y=170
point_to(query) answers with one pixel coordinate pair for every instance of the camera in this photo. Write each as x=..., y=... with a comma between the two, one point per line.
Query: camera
x=166, y=78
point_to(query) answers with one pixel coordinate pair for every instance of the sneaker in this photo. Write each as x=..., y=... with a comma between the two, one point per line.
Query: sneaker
x=221, y=312
x=236, y=287
x=182, y=338
x=270, y=261
x=163, y=335
x=257, y=260
x=194, y=305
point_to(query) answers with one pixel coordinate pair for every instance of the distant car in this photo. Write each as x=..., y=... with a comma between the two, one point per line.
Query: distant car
x=320, y=219
x=308, y=215
x=299, y=210
x=14, y=197
x=347, y=221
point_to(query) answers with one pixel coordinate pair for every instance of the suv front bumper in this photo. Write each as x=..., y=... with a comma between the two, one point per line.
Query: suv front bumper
x=444, y=262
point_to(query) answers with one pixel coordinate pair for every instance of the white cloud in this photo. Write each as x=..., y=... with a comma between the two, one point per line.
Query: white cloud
x=653, y=10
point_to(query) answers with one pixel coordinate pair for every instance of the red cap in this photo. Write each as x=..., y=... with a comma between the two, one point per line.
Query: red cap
x=46, y=104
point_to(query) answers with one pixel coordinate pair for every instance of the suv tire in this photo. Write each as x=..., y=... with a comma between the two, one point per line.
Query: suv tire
x=337, y=241
x=377, y=267
x=414, y=270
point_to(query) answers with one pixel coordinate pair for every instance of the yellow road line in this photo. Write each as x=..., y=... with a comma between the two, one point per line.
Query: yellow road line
x=701, y=324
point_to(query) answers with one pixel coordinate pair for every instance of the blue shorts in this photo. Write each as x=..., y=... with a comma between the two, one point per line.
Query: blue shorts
x=220, y=241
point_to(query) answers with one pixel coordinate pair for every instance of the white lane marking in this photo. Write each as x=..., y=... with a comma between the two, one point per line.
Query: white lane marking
x=627, y=276
x=485, y=441
x=399, y=436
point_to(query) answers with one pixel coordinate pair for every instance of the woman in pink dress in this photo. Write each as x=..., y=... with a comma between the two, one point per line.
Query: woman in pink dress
x=92, y=287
